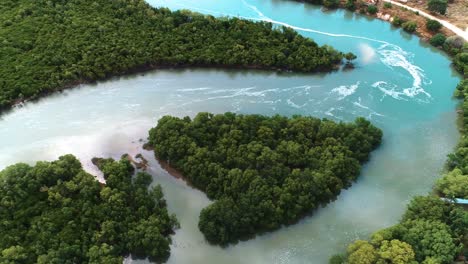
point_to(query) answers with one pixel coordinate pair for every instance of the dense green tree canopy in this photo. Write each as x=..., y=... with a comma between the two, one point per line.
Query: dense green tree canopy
x=432, y=208
x=409, y=26
x=429, y=239
x=453, y=185
x=384, y=252
x=361, y=252
x=48, y=44
x=262, y=171
x=431, y=231
x=436, y=230
x=438, y=40
x=438, y=6
x=433, y=25
x=55, y=212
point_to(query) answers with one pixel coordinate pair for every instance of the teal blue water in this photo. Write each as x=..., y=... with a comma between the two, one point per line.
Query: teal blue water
x=402, y=85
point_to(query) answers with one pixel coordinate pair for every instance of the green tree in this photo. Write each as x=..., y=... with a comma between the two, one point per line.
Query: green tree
x=331, y=3
x=430, y=239
x=430, y=208
x=350, y=5
x=72, y=218
x=453, y=185
x=395, y=252
x=108, y=38
x=409, y=26
x=262, y=172
x=103, y=254
x=433, y=25
x=397, y=21
x=438, y=6
x=372, y=9
x=14, y=255
x=350, y=57
x=461, y=61
x=336, y=259
x=437, y=40
x=361, y=252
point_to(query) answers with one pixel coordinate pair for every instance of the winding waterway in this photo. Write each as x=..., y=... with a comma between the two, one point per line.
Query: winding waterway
x=403, y=86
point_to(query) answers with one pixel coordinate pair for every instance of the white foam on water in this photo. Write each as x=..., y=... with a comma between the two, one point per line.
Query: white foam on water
x=372, y=112
x=329, y=112
x=255, y=9
x=219, y=91
x=388, y=90
x=272, y=101
x=239, y=92
x=260, y=93
x=302, y=87
x=395, y=57
x=345, y=90
x=194, y=89
x=292, y=104
x=391, y=55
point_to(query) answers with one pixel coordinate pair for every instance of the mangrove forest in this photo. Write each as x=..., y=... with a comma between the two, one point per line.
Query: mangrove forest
x=56, y=213
x=263, y=172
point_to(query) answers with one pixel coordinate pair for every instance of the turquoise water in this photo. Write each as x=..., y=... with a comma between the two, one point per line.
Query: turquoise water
x=403, y=86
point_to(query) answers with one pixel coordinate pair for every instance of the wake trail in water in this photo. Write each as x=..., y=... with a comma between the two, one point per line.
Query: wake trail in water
x=391, y=55
x=255, y=9
x=344, y=91
x=372, y=112
x=264, y=18
x=267, y=19
x=194, y=89
x=320, y=32
x=394, y=56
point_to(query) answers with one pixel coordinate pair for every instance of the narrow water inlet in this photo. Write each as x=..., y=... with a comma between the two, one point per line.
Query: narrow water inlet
x=405, y=89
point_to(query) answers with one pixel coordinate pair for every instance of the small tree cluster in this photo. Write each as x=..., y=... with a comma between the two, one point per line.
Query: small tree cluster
x=331, y=3
x=437, y=40
x=372, y=9
x=397, y=21
x=409, y=26
x=433, y=25
x=438, y=6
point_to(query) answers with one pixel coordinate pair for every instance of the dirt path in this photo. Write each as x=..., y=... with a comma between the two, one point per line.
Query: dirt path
x=450, y=26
